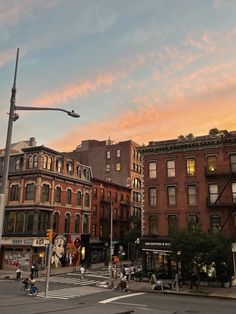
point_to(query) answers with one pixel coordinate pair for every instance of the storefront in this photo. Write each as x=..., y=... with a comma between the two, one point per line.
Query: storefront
x=23, y=252
x=156, y=256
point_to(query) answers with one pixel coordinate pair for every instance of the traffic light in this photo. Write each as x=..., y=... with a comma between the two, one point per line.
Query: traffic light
x=49, y=234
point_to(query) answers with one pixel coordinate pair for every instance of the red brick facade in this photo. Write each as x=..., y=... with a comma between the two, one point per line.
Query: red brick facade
x=190, y=180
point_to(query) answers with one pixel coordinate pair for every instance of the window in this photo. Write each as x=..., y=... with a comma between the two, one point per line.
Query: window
x=77, y=223
x=15, y=192
x=192, y=195
x=152, y=170
x=215, y=222
x=69, y=169
x=79, y=171
x=59, y=166
x=45, y=162
x=11, y=220
x=43, y=222
x=234, y=192
x=68, y=196
x=18, y=164
x=86, y=224
x=211, y=163
x=30, y=188
x=108, y=154
x=101, y=231
x=152, y=196
x=171, y=191
x=58, y=194
x=20, y=222
x=55, y=222
x=30, y=162
x=94, y=230
x=118, y=153
x=153, y=225
x=191, y=165
x=35, y=161
x=213, y=193
x=115, y=214
x=172, y=222
x=102, y=194
x=137, y=183
x=115, y=197
x=118, y=166
x=49, y=165
x=79, y=198
x=233, y=163
x=192, y=220
x=108, y=168
x=136, y=197
x=29, y=221
x=67, y=223
x=86, y=199
x=45, y=192
x=170, y=168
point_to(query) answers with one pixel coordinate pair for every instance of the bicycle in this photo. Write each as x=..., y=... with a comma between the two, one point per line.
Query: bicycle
x=31, y=290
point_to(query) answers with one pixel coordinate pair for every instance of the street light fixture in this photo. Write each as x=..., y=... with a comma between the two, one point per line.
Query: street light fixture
x=13, y=116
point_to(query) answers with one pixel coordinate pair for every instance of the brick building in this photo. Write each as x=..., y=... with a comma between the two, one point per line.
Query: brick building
x=45, y=190
x=121, y=162
x=107, y=196
x=187, y=180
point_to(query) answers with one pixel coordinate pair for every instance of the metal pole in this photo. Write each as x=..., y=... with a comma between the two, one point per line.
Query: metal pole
x=48, y=268
x=7, y=150
x=111, y=246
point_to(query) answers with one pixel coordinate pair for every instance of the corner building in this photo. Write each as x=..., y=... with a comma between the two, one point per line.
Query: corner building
x=45, y=190
x=187, y=181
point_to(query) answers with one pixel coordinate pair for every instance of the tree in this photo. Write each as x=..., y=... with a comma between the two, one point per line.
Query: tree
x=194, y=249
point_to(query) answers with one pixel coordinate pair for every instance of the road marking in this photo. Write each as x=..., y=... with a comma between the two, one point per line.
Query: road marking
x=132, y=304
x=69, y=293
x=121, y=297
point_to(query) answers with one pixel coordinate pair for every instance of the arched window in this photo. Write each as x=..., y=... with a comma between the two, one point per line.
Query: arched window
x=67, y=223
x=59, y=166
x=69, y=168
x=15, y=192
x=30, y=162
x=55, y=222
x=45, y=192
x=45, y=162
x=29, y=192
x=49, y=165
x=35, y=161
x=68, y=196
x=18, y=163
x=77, y=223
x=79, y=198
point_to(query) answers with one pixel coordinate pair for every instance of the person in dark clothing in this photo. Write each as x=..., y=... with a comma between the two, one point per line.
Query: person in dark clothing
x=193, y=281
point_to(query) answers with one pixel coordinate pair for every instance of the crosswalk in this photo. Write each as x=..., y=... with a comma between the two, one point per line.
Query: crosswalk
x=69, y=293
x=70, y=280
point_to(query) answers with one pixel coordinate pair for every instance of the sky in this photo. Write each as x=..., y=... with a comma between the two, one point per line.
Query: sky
x=144, y=70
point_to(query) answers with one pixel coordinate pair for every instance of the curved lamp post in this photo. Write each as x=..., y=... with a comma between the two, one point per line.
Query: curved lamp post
x=13, y=116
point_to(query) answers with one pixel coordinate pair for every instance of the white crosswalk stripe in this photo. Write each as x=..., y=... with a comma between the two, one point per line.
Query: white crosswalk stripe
x=66, y=280
x=69, y=293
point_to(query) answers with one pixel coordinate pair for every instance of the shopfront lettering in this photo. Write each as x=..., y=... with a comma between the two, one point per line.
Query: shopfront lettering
x=157, y=244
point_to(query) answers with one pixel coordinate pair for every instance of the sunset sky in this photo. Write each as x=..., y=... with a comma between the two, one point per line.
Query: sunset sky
x=133, y=69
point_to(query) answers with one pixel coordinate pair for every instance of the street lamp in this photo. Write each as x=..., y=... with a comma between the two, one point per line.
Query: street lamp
x=13, y=116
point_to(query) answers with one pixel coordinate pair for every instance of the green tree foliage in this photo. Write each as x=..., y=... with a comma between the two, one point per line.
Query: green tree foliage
x=194, y=248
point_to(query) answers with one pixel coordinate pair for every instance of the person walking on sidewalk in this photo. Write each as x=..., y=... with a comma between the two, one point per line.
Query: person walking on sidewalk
x=193, y=280
x=82, y=272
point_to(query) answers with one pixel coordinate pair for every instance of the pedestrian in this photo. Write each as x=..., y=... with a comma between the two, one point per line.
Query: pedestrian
x=82, y=271
x=178, y=280
x=193, y=280
x=18, y=273
x=132, y=271
x=36, y=270
x=32, y=270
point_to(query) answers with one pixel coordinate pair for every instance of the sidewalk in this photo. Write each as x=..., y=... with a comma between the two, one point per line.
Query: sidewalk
x=136, y=286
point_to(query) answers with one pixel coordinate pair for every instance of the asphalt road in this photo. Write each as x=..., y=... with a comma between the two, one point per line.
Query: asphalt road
x=70, y=298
